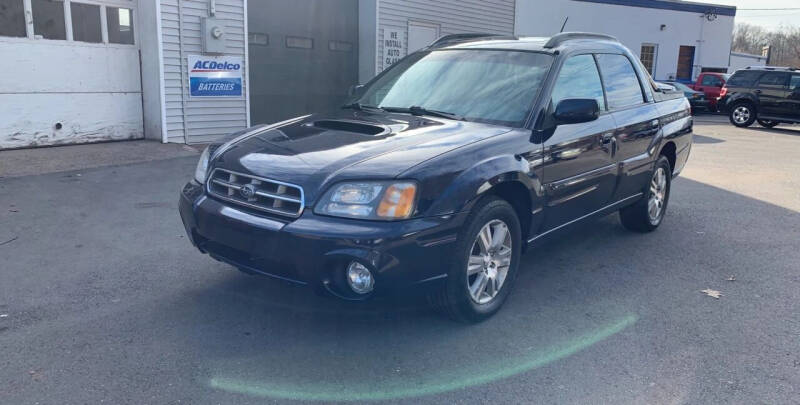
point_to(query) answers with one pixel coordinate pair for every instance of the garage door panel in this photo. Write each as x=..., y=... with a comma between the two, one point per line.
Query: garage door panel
x=287, y=81
x=33, y=119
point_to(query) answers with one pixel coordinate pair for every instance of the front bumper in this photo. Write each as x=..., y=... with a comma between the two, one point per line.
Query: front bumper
x=315, y=250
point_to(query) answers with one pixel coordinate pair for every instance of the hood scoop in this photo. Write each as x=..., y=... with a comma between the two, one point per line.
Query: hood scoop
x=350, y=126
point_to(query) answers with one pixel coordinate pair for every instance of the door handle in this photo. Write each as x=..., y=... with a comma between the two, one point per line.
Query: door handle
x=757, y=91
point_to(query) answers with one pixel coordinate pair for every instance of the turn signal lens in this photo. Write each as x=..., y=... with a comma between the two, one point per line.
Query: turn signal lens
x=398, y=201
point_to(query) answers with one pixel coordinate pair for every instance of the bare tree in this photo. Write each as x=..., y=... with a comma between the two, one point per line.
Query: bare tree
x=784, y=43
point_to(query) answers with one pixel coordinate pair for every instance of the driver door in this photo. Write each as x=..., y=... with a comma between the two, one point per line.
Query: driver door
x=579, y=172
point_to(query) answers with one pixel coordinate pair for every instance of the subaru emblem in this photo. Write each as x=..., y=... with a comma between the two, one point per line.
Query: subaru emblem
x=248, y=191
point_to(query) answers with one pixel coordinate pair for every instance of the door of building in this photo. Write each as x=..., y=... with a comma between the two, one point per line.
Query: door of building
x=72, y=73
x=685, y=63
x=303, y=56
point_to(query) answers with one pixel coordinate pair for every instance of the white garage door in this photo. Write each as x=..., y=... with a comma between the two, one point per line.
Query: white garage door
x=75, y=75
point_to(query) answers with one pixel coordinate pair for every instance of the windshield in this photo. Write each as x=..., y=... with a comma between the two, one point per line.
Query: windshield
x=491, y=86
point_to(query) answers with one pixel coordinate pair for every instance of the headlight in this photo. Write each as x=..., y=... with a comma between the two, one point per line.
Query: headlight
x=201, y=171
x=369, y=200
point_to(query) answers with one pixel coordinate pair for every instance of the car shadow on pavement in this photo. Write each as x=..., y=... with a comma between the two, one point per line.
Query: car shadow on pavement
x=598, y=288
x=793, y=130
x=706, y=139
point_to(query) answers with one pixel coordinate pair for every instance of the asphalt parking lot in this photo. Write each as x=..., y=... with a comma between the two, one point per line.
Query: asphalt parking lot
x=103, y=300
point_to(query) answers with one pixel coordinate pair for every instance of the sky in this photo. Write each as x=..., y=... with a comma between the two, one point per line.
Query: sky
x=769, y=19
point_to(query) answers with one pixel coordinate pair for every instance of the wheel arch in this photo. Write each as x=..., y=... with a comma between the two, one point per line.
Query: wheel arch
x=670, y=151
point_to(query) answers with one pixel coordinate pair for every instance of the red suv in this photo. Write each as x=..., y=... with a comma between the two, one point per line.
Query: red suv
x=711, y=84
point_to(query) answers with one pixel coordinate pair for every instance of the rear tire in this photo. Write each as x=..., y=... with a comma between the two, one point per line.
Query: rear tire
x=767, y=123
x=648, y=213
x=742, y=114
x=485, y=265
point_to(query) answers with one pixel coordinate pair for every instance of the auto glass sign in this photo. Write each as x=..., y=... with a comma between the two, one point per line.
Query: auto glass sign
x=215, y=76
x=393, y=47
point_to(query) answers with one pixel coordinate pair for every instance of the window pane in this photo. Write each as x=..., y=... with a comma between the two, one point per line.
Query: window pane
x=711, y=81
x=86, y=22
x=795, y=83
x=120, y=25
x=12, y=18
x=48, y=19
x=773, y=79
x=622, y=84
x=579, y=78
x=299, y=42
x=648, y=56
x=743, y=78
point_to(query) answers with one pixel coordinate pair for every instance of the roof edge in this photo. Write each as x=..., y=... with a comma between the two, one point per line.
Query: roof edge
x=671, y=5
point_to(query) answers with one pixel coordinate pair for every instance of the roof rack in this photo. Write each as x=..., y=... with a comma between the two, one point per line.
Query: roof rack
x=562, y=37
x=448, y=39
x=773, y=68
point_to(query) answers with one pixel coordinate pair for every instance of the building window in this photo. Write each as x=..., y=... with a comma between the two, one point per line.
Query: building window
x=258, y=38
x=12, y=18
x=120, y=25
x=48, y=19
x=299, y=42
x=86, y=22
x=340, y=46
x=648, y=57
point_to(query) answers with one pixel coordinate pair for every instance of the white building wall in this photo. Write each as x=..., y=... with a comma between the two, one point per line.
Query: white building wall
x=743, y=60
x=634, y=26
x=199, y=120
x=448, y=16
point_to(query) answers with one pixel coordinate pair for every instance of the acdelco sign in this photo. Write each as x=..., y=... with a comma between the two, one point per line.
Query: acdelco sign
x=212, y=65
x=215, y=76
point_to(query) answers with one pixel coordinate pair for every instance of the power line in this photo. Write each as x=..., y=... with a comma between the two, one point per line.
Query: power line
x=767, y=9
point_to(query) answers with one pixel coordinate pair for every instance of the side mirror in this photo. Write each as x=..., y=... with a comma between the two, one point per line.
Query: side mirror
x=576, y=110
x=355, y=90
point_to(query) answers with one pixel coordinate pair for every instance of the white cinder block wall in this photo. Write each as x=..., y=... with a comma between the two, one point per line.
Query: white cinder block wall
x=634, y=26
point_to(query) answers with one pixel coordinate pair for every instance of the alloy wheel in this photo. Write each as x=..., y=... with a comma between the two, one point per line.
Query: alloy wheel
x=658, y=193
x=489, y=261
x=741, y=114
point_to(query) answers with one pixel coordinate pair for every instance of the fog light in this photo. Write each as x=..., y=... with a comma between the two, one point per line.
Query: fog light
x=359, y=278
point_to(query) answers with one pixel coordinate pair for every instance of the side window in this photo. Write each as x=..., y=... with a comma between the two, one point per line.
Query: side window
x=579, y=78
x=743, y=78
x=711, y=81
x=794, y=84
x=773, y=79
x=622, y=84
x=12, y=18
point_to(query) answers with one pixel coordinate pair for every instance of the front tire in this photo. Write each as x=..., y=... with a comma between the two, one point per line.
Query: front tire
x=648, y=213
x=767, y=123
x=486, y=263
x=742, y=114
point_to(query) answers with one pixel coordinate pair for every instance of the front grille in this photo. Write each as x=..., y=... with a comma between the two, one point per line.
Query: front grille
x=257, y=192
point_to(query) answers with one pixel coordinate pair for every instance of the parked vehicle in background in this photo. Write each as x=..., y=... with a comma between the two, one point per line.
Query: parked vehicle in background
x=711, y=84
x=769, y=95
x=697, y=99
x=426, y=182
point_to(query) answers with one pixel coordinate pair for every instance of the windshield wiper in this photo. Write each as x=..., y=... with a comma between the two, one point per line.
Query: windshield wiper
x=417, y=110
x=361, y=107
